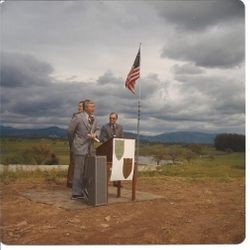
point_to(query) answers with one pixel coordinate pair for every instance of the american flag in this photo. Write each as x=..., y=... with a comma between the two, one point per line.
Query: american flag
x=134, y=73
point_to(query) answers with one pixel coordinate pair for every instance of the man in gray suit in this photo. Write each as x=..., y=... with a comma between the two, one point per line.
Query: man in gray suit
x=71, y=158
x=82, y=132
x=111, y=129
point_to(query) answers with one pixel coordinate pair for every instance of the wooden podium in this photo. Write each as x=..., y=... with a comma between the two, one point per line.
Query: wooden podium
x=106, y=149
x=120, y=161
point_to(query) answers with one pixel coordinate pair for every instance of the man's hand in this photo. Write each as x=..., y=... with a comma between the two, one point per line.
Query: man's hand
x=92, y=135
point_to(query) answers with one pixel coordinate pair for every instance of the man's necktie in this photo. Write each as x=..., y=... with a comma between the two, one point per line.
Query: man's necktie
x=113, y=130
x=91, y=119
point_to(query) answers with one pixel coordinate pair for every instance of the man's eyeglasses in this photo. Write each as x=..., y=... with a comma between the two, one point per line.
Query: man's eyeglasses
x=112, y=118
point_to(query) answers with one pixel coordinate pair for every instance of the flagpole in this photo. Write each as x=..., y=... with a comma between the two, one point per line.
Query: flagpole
x=137, y=138
x=138, y=117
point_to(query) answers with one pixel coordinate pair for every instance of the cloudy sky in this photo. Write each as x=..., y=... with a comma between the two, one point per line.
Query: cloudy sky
x=56, y=53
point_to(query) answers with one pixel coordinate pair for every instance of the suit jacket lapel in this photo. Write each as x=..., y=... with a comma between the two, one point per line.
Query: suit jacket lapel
x=85, y=121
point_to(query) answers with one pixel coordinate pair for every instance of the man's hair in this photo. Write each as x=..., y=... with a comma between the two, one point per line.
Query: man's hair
x=83, y=104
x=114, y=113
x=87, y=102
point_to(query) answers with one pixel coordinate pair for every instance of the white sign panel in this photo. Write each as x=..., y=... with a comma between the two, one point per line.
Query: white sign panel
x=123, y=159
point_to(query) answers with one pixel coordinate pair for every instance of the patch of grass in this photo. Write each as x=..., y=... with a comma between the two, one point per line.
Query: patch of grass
x=15, y=148
x=149, y=173
x=242, y=167
x=53, y=175
x=223, y=167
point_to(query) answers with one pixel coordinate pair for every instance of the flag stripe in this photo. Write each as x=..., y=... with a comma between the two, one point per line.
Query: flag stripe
x=135, y=74
x=133, y=78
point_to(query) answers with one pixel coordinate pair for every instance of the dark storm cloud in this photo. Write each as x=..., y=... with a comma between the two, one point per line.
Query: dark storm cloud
x=108, y=78
x=38, y=107
x=110, y=85
x=219, y=87
x=23, y=70
x=187, y=68
x=211, y=96
x=207, y=33
x=53, y=102
x=204, y=102
x=221, y=47
x=199, y=15
x=28, y=89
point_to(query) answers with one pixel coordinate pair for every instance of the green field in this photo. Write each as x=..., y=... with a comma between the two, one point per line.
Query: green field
x=210, y=164
x=224, y=167
x=11, y=147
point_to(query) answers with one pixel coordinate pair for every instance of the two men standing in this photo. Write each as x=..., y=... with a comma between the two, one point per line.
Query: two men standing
x=82, y=132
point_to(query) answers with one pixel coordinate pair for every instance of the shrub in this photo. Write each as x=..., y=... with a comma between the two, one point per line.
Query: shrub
x=53, y=160
x=195, y=148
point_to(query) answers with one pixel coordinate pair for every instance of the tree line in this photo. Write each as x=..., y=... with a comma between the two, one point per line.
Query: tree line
x=41, y=153
x=230, y=142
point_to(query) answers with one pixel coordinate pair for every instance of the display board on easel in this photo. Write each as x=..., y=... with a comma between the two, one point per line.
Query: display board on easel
x=120, y=153
x=123, y=159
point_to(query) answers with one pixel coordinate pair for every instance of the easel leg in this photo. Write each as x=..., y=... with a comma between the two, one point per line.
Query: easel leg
x=134, y=183
x=108, y=176
x=118, y=189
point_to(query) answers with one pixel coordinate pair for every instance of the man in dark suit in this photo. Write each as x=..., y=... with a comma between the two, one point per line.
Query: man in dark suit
x=111, y=129
x=82, y=132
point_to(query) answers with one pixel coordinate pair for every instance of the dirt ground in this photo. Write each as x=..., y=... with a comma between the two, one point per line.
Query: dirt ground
x=206, y=211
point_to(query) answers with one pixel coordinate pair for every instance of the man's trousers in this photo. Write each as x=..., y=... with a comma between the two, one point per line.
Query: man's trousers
x=70, y=174
x=78, y=179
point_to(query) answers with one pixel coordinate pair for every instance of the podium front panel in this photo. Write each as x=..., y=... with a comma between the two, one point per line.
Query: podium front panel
x=96, y=177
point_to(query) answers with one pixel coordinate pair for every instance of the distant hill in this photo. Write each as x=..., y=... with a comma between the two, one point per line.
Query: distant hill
x=52, y=132
x=185, y=137
x=55, y=132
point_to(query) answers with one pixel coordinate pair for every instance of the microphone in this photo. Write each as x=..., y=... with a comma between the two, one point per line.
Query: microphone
x=96, y=139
